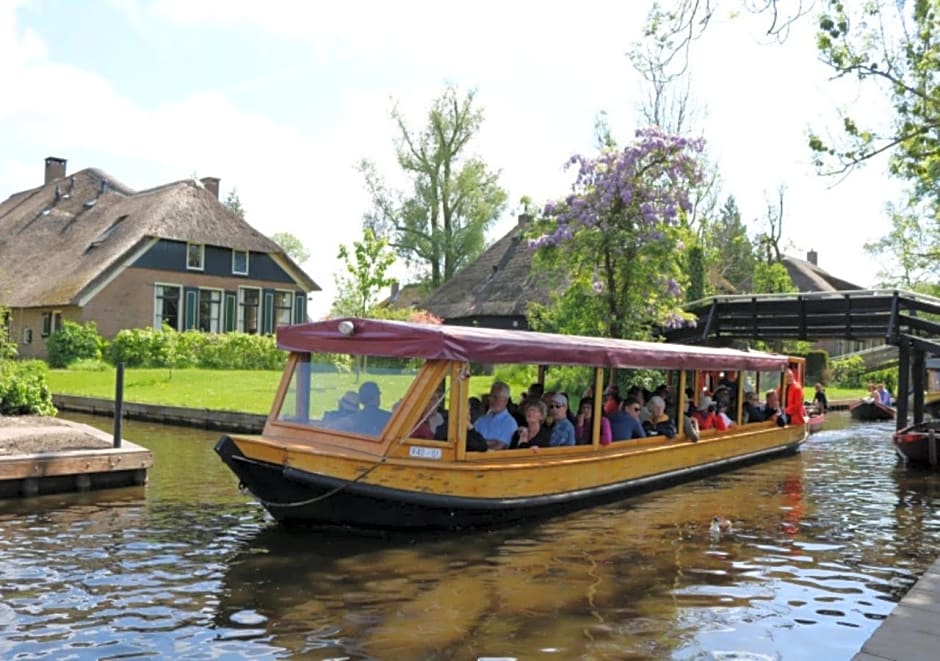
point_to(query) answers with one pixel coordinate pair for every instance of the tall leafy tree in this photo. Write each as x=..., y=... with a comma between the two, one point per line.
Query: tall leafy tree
x=440, y=224
x=293, y=246
x=910, y=244
x=364, y=275
x=730, y=247
x=616, y=244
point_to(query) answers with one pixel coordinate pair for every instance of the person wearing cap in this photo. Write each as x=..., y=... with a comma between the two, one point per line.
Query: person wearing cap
x=562, y=428
x=346, y=406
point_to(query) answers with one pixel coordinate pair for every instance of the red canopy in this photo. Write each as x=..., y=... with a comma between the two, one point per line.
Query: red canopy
x=376, y=337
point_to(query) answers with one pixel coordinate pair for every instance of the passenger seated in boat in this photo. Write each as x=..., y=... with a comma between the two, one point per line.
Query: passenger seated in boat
x=371, y=419
x=708, y=417
x=475, y=406
x=770, y=410
x=432, y=422
x=883, y=395
x=625, y=421
x=534, y=433
x=659, y=422
x=562, y=427
x=347, y=405
x=584, y=424
x=752, y=411
x=497, y=425
x=724, y=418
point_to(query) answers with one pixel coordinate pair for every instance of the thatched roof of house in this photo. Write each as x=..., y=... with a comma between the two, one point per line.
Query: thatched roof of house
x=61, y=238
x=808, y=277
x=499, y=283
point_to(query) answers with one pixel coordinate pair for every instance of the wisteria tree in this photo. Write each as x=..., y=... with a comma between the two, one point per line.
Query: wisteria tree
x=615, y=247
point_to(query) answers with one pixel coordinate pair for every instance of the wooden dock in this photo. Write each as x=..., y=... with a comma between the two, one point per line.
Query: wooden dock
x=48, y=455
x=910, y=632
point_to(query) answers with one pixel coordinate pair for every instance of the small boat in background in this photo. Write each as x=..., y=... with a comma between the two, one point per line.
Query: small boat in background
x=870, y=410
x=919, y=443
x=815, y=418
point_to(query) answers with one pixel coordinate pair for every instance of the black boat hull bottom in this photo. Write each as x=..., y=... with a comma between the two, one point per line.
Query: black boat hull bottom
x=293, y=496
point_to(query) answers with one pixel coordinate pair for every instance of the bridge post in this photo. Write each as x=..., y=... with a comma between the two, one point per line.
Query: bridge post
x=918, y=372
x=904, y=380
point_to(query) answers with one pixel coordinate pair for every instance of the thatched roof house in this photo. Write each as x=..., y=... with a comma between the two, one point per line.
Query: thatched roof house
x=90, y=248
x=808, y=277
x=494, y=290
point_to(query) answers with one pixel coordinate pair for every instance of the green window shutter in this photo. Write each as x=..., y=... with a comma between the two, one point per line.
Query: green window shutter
x=229, y=312
x=267, y=323
x=299, y=308
x=192, y=310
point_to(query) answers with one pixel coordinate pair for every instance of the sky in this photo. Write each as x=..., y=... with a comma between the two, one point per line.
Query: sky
x=281, y=99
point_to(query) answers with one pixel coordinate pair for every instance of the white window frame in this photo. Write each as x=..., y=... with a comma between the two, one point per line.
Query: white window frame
x=215, y=321
x=240, y=326
x=279, y=310
x=158, y=311
x=235, y=254
x=201, y=266
x=55, y=322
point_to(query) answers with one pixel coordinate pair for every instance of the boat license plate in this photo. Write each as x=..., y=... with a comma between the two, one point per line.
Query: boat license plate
x=424, y=453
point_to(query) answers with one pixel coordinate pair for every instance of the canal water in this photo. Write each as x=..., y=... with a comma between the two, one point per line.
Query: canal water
x=824, y=543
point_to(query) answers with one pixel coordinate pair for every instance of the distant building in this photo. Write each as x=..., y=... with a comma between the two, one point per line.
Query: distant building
x=85, y=247
x=494, y=290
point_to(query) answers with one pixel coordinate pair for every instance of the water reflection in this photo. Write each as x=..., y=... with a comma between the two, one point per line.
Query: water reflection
x=824, y=543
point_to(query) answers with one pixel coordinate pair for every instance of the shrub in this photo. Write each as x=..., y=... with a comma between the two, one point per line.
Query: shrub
x=887, y=376
x=142, y=347
x=849, y=372
x=74, y=342
x=24, y=389
x=817, y=362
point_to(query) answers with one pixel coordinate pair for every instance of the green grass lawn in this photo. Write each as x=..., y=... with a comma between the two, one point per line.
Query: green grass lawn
x=250, y=391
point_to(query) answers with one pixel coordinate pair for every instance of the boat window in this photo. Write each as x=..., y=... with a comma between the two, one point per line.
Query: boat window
x=346, y=393
x=432, y=425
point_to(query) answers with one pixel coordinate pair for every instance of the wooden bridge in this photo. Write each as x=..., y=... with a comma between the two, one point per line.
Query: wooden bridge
x=909, y=321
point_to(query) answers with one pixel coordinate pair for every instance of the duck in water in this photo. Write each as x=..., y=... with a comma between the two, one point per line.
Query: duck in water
x=719, y=525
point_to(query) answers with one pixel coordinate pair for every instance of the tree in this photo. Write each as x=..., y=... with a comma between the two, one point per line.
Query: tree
x=365, y=275
x=731, y=251
x=911, y=247
x=234, y=204
x=440, y=225
x=291, y=245
x=770, y=275
x=616, y=244
x=895, y=46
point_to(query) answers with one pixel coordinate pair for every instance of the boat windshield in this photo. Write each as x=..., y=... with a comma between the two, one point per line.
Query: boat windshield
x=355, y=394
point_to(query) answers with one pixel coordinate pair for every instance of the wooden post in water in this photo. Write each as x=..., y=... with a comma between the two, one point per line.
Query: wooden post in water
x=118, y=404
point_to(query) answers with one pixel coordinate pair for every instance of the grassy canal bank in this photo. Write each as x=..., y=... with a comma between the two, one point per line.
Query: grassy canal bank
x=250, y=391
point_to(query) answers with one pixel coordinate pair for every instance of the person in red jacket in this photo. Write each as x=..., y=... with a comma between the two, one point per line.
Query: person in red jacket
x=793, y=400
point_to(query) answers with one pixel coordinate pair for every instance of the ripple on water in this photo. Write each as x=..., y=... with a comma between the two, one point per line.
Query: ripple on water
x=824, y=544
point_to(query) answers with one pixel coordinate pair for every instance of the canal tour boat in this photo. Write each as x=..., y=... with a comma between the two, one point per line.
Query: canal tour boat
x=372, y=463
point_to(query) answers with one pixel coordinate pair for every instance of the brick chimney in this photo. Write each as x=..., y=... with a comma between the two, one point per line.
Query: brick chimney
x=812, y=258
x=524, y=219
x=212, y=185
x=55, y=169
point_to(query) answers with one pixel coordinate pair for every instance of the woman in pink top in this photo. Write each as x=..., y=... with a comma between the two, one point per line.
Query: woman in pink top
x=585, y=424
